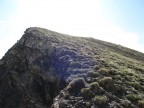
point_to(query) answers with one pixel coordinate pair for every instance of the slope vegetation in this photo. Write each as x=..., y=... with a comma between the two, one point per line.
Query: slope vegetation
x=46, y=69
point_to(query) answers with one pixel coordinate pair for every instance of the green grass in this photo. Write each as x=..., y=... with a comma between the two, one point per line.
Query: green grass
x=100, y=100
x=141, y=103
x=133, y=97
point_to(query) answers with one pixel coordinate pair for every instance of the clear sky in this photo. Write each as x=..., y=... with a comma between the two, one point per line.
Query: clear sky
x=116, y=21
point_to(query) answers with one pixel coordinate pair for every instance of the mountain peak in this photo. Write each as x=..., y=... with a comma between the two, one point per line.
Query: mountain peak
x=37, y=31
x=46, y=69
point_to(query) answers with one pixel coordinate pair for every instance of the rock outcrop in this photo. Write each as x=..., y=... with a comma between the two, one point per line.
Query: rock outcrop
x=46, y=69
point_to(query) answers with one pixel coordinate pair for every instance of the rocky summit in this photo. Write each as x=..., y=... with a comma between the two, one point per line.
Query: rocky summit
x=46, y=69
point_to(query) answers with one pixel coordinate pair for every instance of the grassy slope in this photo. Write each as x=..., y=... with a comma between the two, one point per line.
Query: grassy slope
x=125, y=67
x=120, y=71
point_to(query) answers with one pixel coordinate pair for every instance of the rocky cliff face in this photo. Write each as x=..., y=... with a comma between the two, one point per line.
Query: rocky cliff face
x=45, y=69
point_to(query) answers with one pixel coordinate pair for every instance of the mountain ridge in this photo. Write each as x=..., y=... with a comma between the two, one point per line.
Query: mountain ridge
x=48, y=69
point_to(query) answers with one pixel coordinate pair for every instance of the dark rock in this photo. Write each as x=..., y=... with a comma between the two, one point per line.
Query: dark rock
x=46, y=69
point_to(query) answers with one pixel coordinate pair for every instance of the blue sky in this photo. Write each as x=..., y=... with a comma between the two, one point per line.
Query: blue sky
x=128, y=14
x=116, y=21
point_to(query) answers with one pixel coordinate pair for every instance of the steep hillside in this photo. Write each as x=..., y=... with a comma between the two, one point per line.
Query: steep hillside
x=46, y=69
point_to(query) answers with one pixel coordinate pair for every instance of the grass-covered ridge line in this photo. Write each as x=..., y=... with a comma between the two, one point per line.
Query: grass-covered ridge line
x=46, y=69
